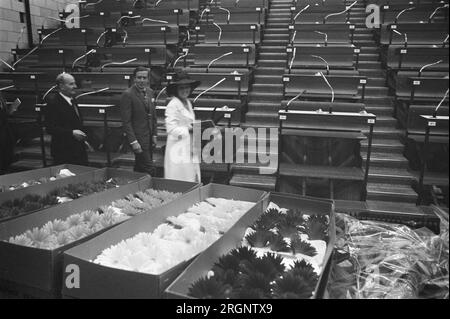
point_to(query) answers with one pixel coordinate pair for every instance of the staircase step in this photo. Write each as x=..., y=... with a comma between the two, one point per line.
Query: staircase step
x=391, y=193
x=384, y=145
x=393, y=208
x=276, y=42
x=266, y=183
x=273, y=56
x=390, y=175
x=387, y=133
x=270, y=70
x=369, y=57
x=264, y=87
x=370, y=72
x=258, y=106
x=387, y=160
x=376, y=91
x=268, y=79
x=278, y=63
x=380, y=110
x=370, y=65
x=386, y=121
x=260, y=96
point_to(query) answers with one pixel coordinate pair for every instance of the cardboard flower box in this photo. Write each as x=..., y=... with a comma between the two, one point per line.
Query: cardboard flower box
x=98, y=281
x=38, y=272
x=45, y=189
x=203, y=264
x=34, y=175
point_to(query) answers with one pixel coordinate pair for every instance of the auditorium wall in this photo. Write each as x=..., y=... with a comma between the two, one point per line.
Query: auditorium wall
x=13, y=19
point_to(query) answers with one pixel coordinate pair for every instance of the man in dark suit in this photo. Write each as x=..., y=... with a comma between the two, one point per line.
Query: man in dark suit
x=139, y=120
x=64, y=123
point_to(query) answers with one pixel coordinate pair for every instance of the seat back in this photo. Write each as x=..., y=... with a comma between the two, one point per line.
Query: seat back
x=174, y=4
x=238, y=16
x=151, y=35
x=339, y=57
x=344, y=86
x=416, y=57
x=242, y=55
x=417, y=33
x=95, y=81
x=416, y=124
x=232, y=34
x=411, y=87
x=146, y=56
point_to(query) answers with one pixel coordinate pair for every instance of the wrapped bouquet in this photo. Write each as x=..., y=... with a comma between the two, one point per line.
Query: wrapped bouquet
x=378, y=260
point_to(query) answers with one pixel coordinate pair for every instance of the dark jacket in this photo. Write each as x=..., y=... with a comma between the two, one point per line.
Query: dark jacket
x=7, y=140
x=138, y=116
x=61, y=120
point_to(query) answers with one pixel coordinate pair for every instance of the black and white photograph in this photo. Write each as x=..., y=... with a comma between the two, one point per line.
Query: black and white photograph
x=223, y=155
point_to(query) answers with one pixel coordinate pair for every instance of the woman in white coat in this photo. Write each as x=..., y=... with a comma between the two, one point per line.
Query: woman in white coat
x=181, y=161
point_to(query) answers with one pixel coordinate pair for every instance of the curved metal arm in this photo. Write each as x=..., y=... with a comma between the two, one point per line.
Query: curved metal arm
x=81, y=57
x=325, y=61
x=128, y=17
x=300, y=12
x=325, y=35
x=436, y=11
x=6, y=88
x=158, y=2
x=7, y=64
x=48, y=92
x=179, y=58
x=217, y=59
x=329, y=85
x=445, y=40
x=339, y=13
x=90, y=93
x=118, y=63
x=49, y=35
x=295, y=98
x=101, y=36
x=220, y=33
x=209, y=89
x=294, y=36
x=428, y=65
x=401, y=12
x=159, y=95
x=203, y=12
x=154, y=20
x=125, y=38
x=228, y=11
x=93, y=3
x=405, y=36
x=440, y=104
x=294, y=54
x=25, y=56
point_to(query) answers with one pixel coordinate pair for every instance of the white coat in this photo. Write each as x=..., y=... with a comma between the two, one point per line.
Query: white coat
x=179, y=162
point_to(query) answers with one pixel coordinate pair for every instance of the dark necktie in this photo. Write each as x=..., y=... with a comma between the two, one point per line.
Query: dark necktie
x=74, y=105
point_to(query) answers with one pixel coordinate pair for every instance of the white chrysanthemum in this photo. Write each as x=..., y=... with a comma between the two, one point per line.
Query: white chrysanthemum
x=21, y=240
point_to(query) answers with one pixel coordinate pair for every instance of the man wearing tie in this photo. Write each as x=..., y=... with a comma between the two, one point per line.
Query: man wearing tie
x=139, y=120
x=65, y=125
